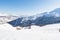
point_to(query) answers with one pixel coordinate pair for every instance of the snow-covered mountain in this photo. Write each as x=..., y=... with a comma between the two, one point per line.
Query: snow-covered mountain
x=41, y=19
x=49, y=18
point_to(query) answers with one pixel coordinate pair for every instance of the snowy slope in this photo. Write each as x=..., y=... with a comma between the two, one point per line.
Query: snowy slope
x=49, y=32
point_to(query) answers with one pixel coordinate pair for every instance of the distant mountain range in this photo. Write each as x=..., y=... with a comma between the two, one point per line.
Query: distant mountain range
x=41, y=19
x=6, y=18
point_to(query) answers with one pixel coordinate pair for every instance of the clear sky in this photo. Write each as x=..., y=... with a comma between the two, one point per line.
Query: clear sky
x=27, y=6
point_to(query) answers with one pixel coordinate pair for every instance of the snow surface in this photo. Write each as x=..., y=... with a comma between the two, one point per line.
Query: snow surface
x=48, y=32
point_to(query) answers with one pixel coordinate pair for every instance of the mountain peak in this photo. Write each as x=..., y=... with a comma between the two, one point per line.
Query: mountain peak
x=57, y=10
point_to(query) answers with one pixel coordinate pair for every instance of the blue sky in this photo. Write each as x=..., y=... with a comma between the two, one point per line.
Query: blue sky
x=27, y=7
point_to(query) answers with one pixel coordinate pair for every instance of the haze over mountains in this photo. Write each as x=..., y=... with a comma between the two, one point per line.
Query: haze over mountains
x=6, y=18
x=41, y=19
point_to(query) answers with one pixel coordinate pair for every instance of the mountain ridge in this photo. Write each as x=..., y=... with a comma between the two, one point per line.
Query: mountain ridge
x=45, y=18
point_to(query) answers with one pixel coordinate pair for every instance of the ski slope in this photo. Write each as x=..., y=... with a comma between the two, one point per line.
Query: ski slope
x=48, y=32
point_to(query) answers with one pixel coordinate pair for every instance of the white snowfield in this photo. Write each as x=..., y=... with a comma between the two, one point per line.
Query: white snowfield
x=48, y=32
